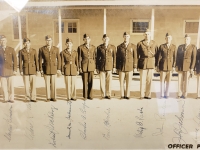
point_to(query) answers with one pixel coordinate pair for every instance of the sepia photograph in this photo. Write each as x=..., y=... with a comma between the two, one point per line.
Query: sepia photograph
x=99, y=74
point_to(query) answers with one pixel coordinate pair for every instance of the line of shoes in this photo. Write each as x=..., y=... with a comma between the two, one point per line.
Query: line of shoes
x=10, y=101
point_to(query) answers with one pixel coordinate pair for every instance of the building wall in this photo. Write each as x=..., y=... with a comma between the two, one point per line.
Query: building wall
x=118, y=21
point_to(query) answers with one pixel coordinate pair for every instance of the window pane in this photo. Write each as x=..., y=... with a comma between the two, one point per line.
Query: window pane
x=191, y=27
x=139, y=27
x=69, y=25
x=69, y=30
x=16, y=28
x=74, y=30
x=74, y=25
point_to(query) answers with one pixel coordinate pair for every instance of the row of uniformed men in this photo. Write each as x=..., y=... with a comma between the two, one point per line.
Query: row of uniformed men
x=145, y=57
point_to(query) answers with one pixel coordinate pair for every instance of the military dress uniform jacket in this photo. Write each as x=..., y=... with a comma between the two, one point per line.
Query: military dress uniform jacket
x=28, y=61
x=86, y=58
x=147, y=55
x=126, y=57
x=51, y=60
x=8, y=62
x=106, y=57
x=186, y=57
x=166, y=57
x=197, y=66
x=69, y=62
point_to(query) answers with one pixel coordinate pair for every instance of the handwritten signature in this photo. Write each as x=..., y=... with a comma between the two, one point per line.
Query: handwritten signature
x=8, y=119
x=139, y=123
x=29, y=130
x=69, y=118
x=107, y=124
x=197, y=121
x=51, y=126
x=179, y=129
x=83, y=124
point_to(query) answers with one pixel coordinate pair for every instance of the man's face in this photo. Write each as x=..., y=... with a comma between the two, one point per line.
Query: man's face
x=126, y=38
x=49, y=42
x=106, y=40
x=3, y=42
x=147, y=35
x=69, y=45
x=87, y=40
x=27, y=45
x=187, y=40
x=168, y=39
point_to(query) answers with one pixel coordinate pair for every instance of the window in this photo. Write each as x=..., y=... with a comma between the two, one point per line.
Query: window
x=72, y=27
x=16, y=27
x=139, y=26
x=62, y=27
x=191, y=26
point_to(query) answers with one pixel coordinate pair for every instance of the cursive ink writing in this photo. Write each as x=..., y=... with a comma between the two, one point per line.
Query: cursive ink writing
x=139, y=123
x=179, y=129
x=106, y=122
x=8, y=119
x=29, y=130
x=51, y=126
x=69, y=118
x=83, y=110
x=197, y=121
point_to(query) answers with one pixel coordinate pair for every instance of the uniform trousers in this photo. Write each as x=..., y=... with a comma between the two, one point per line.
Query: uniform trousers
x=125, y=75
x=50, y=83
x=30, y=86
x=198, y=85
x=105, y=82
x=165, y=77
x=87, y=78
x=145, y=82
x=7, y=85
x=70, y=84
x=183, y=82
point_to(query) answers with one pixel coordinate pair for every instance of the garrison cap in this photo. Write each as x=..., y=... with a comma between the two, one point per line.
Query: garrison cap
x=147, y=30
x=187, y=35
x=105, y=35
x=48, y=37
x=68, y=40
x=168, y=34
x=86, y=35
x=126, y=33
x=2, y=36
x=26, y=40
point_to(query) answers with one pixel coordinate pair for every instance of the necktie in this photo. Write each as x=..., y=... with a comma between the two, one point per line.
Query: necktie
x=87, y=46
x=49, y=48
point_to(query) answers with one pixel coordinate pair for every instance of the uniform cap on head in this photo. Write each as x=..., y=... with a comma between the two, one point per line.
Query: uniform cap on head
x=2, y=36
x=26, y=40
x=85, y=35
x=187, y=35
x=68, y=40
x=48, y=37
x=168, y=34
x=147, y=30
x=126, y=33
x=105, y=35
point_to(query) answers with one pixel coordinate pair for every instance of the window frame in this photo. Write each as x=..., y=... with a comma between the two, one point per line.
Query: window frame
x=138, y=20
x=12, y=30
x=184, y=25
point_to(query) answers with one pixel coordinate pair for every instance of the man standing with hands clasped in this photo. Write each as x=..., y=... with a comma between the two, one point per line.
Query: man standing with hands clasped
x=185, y=63
x=126, y=62
x=166, y=64
x=147, y=57
x=87, y=65
x=105, y=64
x=49, y=65
x=8, y=68
x=28, y=67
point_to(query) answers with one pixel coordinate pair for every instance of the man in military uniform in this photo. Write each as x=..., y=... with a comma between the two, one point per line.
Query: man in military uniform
x=147, y=55
x=106, y=64
x=49, y=65
x=8, y=68
x=185, y=63
x=69, y=68
x=166, y=64
x=126, y=62
x=28, y=67
x=87, y=65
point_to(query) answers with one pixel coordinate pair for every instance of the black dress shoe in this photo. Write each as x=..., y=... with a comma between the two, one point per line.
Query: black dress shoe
x=33, y=100
x=47, y=100
x=166, y=97
x=127, y=98
x=73, y=99
x=53, y=99
x=107, y=97
x=147, y=97
x=11, y=101
x=90, y=98
x=182, y=96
